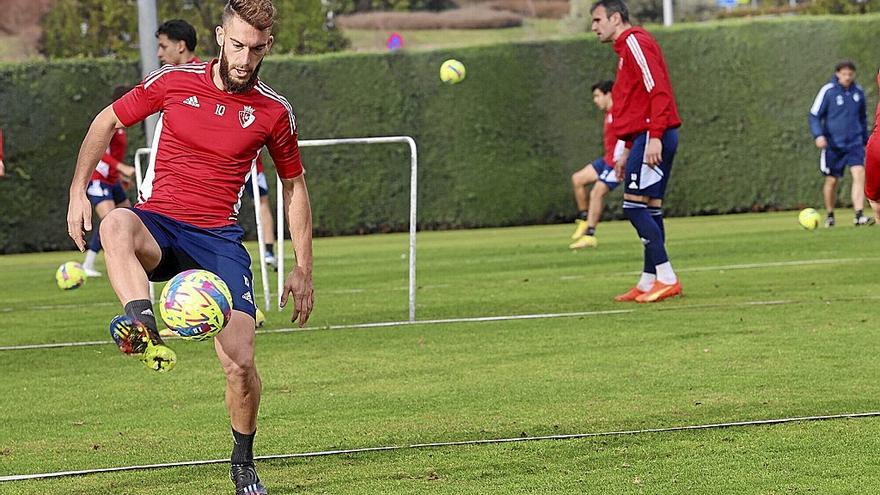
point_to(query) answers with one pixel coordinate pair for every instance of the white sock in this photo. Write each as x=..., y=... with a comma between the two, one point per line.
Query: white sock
x=665, y=274
x=90, y=260
x=646, y=281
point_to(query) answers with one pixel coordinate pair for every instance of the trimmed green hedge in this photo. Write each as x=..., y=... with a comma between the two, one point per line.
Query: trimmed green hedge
x=497, y=149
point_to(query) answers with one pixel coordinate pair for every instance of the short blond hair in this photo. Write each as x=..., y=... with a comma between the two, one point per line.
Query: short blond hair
x=258, y=13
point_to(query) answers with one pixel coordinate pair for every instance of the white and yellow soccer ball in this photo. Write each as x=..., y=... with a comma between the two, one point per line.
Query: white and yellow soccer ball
x=70, y=276
x=260, y=318
x=809, y=218
x=452, y=71
x=196, y=304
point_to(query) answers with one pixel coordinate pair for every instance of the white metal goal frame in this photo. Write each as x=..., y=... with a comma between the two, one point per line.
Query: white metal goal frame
x=413, y=207
x=280, y=214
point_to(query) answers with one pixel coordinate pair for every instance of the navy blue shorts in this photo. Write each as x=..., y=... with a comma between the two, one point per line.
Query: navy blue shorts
x=606, y=173
x=642, y=180
x=219, y=251
x=99, y=192
x=833, y=161
x=262, y=185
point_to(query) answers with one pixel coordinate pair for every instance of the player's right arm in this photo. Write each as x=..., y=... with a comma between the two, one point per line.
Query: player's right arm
x=79, y=210
x=817, y=116
x=144, y=100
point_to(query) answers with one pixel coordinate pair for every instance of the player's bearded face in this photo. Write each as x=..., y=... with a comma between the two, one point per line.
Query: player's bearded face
x=238, y=78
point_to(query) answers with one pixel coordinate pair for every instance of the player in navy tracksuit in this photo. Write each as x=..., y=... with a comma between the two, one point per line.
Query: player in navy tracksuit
x=839, y=123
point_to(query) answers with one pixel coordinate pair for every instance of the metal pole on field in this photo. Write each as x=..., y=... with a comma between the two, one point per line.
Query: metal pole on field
x=147, y=24
x=667, y=12
x=413, y=196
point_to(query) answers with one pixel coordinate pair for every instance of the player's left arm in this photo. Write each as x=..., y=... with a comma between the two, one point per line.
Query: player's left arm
x=79, y=210
x=299, y=222
x=284, y=150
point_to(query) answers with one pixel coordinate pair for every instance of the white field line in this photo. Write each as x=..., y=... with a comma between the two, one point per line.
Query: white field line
x=477, y=319
x=142, y=467
x=354, y=290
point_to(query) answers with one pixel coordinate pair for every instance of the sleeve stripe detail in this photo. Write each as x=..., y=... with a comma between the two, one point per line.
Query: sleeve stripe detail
x=817, y=103
x=156, y=75
x=640, y=59
x=266, y=91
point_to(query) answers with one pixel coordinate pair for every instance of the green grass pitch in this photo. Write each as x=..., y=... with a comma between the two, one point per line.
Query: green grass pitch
x=775, y=322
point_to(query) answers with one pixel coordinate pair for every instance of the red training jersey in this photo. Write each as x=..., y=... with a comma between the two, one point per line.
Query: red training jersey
x=642, y=93
x=872, y=157
x=206, y=141
x=106, y=171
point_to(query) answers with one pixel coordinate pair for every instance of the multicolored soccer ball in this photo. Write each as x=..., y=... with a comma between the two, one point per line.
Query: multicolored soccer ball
x=70, y=276
x=809, y=218
x=260, y=318
x=452, y=71
x=196, y=304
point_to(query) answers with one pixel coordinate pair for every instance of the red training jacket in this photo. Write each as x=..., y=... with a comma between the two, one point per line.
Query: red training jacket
x=872, y=158
x=642, y=94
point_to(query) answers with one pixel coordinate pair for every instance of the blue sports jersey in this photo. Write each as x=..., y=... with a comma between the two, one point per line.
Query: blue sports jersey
x=840, y=115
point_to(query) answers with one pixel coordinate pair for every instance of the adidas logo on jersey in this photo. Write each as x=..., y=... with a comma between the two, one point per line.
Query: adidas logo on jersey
x=192, y=101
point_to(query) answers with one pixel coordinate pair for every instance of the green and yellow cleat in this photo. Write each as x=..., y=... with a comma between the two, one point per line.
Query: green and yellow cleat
x=580, y=228
x=585, y=241
x=138, y=341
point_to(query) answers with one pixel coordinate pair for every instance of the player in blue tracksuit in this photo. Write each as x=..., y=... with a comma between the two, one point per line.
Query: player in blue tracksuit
x=839, y=123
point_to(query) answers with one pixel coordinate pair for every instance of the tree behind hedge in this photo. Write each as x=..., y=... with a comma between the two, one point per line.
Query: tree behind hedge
x=101, y=28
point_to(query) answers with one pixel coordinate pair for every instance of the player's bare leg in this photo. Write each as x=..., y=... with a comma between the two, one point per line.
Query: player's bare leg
x=858, y=195
x=829, y=193
x=102, y=209
x=579, y=181
x=235, y=350
x=130, y=252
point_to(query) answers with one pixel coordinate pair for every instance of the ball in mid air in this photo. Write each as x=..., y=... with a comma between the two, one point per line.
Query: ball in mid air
x=196, y=304
x=452, y=72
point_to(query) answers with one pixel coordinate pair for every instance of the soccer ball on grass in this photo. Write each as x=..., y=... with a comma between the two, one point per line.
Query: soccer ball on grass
x=196, y=304
x=70, y=276
x=809, y=218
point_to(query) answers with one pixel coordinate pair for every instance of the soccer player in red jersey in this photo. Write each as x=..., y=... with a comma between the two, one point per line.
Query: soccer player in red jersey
x=646, y=119
x=106, y=190
x=600, y=172
x=215, y=118
x=872, y=164
x=176, y=40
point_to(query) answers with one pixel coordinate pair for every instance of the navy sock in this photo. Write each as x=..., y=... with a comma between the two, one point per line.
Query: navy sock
x=142, y=310
x=649, y=232
x=242, y=447
x=657, y=215
x=582, y=215
x=95, y=241
x=591, y=230
x=270, y=249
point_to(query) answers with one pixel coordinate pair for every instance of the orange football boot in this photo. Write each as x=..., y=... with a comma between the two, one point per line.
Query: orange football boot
x=630, y=295
x=660, y=291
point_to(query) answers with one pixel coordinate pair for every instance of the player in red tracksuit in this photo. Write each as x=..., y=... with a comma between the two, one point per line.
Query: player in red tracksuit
x=215, y=118
x=646, y=119
x=872, y=164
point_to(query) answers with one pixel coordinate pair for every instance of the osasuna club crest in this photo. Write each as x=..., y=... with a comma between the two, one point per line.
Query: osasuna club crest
x=246, y=117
